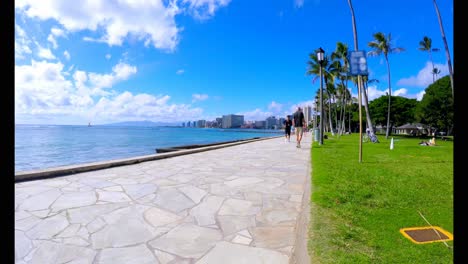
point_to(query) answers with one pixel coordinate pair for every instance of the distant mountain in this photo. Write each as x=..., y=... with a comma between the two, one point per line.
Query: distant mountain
x=145, y=123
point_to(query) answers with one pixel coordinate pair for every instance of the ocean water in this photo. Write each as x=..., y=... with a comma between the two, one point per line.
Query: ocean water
x=48, y=146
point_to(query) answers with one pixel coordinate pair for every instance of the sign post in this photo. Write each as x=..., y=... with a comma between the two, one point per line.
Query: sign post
x=358, y=67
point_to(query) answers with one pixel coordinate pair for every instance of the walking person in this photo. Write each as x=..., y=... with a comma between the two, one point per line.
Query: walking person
x=299, y=124
x=287, y=128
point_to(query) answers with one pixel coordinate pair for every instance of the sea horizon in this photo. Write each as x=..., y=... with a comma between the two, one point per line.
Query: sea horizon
x=45, y=146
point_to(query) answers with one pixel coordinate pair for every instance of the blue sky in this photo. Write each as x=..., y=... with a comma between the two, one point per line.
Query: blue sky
x=173, y=61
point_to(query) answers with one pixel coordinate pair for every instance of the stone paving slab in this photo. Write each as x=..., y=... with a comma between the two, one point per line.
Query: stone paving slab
x=239, y=204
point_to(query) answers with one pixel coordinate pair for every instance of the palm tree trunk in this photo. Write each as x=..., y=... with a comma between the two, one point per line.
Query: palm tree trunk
x=389, y=99
x=343, y=115
x=366, y=107
x=433, y=75
x=356, y=49
x=336, y=113
x=330, y=120
x=349, y=122
x=447, y=53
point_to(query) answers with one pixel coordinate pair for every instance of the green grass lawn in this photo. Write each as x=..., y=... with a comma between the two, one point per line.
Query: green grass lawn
x=358, y=208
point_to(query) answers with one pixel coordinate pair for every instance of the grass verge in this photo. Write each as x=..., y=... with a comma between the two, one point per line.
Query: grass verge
x=358, y=208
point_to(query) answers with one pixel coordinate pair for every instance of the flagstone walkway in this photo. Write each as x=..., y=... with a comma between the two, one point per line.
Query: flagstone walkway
x=246, y=203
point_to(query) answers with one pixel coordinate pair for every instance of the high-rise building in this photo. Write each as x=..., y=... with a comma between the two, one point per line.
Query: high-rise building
x=271, y=122
x=201, y=123
x=281, y=122
x=233, y=121
x=308, y=114
x=219, y=122
x=260, y=124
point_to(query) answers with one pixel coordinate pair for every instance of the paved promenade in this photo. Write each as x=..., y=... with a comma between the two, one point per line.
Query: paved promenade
x=246, y=203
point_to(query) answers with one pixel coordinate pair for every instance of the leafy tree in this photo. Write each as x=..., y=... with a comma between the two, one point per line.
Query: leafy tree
x=436, y=107
x=402, y=112
x=382, y=45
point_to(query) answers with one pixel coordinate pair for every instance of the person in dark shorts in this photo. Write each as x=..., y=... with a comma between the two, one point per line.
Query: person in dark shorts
x=299, y=124
x=287, y=128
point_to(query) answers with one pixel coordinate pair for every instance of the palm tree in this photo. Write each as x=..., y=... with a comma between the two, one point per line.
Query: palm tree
x=331, y=91
x=356, y=48
x=340, y=67
x=382, y=45
x=366, y=103
x=353, y=101
x=426, y=45
x=447, y=52
x=314, y=69
x=435, y=72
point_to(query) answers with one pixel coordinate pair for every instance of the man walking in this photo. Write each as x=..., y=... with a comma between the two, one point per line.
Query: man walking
x=299, y=124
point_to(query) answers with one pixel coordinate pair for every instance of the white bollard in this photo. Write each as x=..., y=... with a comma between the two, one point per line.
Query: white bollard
x=391, y=144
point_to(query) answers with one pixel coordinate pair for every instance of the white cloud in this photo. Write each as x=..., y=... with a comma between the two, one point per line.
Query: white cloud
x=298, y=3
x=204, y=9
x=20, y=31
x=42, y=88
x=400, y=92
x=255, y=115
x=373, y=93
x=181, y=71
x=52, y=40
x=123, y=71
x=420, y=95
x=108, y=56
x=98, y=82
x=275, y=107
x=22, y=43
x=199, y=97
x=55, y=32
x=45, y=53
x=149, y=21
x=424, y=76
x=127, y=106
x=66, y=54
x=44, y=94
x=404, y=93
x=80, y=78
x=293, y=107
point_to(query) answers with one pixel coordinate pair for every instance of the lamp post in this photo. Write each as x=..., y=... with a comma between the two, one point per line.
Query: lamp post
x=315, y=114
x=320, y=59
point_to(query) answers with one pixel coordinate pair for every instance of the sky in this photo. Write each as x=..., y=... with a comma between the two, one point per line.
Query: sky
x=174, y=61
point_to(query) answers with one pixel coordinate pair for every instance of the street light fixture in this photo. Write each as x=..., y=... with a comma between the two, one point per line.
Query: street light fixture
x=320, y=59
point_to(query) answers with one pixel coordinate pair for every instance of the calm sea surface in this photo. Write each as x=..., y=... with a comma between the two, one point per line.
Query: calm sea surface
x=46, y=146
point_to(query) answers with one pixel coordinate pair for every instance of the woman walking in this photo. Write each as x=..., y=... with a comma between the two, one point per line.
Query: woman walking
x=287, y=128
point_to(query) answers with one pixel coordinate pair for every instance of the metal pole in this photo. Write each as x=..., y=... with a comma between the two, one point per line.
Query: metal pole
x=360, y=119
x=315, y=115
x=321, y=107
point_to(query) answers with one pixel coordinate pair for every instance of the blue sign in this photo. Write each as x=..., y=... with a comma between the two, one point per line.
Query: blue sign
x=358, y=63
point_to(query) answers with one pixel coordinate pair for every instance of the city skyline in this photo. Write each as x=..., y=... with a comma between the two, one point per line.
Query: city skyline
x=172, y=61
